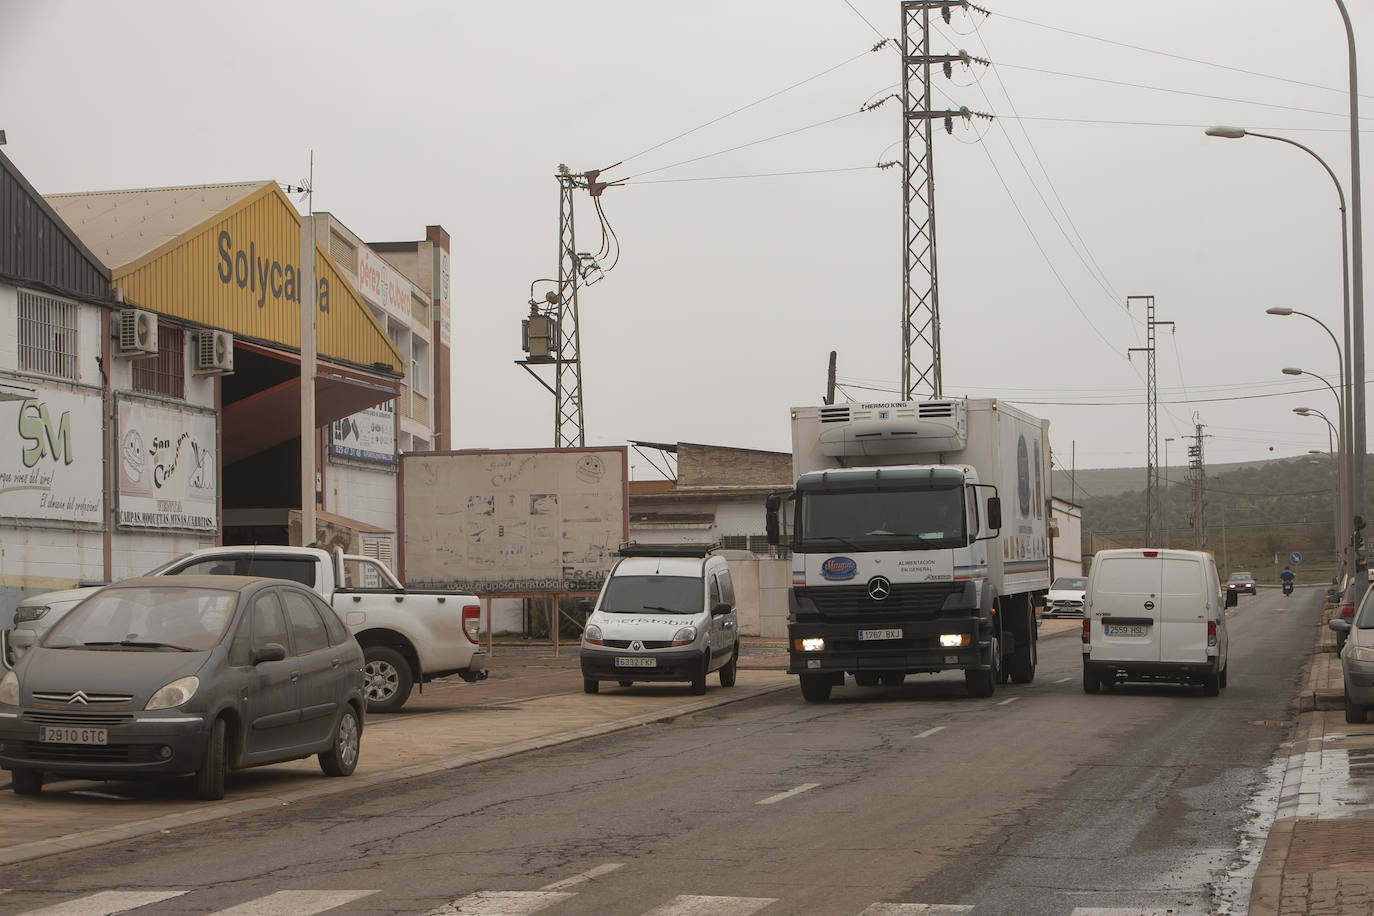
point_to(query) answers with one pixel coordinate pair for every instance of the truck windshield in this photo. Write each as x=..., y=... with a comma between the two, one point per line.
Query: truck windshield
x=882, y=519
x=661, y=594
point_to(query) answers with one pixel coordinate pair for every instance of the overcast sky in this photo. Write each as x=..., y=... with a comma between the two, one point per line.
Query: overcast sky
x=730, y=292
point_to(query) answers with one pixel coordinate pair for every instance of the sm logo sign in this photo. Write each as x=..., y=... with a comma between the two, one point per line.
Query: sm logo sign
x=42, y=437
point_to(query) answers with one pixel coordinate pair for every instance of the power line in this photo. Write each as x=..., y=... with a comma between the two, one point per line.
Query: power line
x=855, y=168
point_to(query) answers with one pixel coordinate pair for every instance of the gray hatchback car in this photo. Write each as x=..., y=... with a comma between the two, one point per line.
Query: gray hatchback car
x=184, y=676
x=1357, y=658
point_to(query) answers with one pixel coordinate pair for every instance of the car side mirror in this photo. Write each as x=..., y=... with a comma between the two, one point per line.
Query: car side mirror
x=272, y=652
x=1232, y=597
x=721, y=609
x=1338, y=625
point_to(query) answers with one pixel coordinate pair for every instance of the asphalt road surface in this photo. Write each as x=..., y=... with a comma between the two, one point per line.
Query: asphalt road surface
x=1144, y=800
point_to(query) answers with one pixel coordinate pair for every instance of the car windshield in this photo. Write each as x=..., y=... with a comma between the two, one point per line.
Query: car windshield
x=1240, y=577
x=636, y=594
x=145, y=618
x=1069, y=584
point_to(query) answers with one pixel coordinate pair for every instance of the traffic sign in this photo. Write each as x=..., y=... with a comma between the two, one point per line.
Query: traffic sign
x=1296, y=558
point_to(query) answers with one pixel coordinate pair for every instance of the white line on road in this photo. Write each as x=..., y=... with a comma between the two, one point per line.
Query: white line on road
x=1123, y=911
x=917, y=909
x=688, y=905
x=930, y=731
x=501, y=903
x=295, y=903
x=1063, y=680
x=587, y=875
x=106, y=903
x=783, y=796
x=1005, y=702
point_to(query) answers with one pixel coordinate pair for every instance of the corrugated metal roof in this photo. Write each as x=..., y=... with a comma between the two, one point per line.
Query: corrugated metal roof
x=30, y=251
x=123, y=226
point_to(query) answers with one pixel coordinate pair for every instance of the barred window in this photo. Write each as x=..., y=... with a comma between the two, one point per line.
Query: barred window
x=47, y=335
x=165, y=373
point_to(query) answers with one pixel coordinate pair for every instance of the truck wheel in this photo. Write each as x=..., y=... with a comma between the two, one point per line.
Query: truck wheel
x=342, y=757
x=983, y=683
x=699, y=679
x=590, y=685
x=210, y=776
x=1091, y=682
x=730, y=669
x=815, y=688
x=386, y=679
x=25, y=781
x=1023, y=657
x=1211, y=684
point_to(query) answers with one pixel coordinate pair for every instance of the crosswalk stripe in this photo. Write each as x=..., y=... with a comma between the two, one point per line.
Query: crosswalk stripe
x=501, y=903
x=782, y=796
x=918, y=909
x=294, y=903
x=689, y=905
x=105, y=903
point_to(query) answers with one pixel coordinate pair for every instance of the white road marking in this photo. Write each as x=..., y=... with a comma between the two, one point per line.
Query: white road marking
x=1063, y=680
x=930, y=731
x=1125, y=911
x=501, y=903
x=295, y=903
x=783, y=796
x=106, y=903
x=917, y=909
x=587, y=875
x=1005, y=702
x=688, y=905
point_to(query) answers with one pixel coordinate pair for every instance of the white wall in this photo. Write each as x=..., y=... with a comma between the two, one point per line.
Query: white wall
x=361, y=493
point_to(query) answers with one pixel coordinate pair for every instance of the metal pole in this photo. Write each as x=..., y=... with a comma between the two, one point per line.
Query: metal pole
x=309, y=303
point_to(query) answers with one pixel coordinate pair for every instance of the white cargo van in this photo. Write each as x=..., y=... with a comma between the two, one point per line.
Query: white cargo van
x=664, y=614
x=1155, y=615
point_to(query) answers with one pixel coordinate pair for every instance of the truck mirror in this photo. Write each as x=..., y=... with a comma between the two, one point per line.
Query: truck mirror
x=770, y=518
x=994, y=512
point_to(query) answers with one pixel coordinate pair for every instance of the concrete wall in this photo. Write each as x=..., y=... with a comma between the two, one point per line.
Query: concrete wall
x=362, y=493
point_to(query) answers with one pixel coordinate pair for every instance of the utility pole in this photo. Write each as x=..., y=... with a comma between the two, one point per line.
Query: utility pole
x=1153, y=514
x=1197, y=481
x=920, y=292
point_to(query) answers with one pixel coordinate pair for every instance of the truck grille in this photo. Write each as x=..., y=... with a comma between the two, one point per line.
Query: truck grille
x=910, y=599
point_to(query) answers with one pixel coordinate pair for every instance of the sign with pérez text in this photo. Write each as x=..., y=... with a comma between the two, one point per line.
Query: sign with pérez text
x=383, y=285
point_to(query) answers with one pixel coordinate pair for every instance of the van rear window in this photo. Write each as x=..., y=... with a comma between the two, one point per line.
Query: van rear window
x=1147, y=576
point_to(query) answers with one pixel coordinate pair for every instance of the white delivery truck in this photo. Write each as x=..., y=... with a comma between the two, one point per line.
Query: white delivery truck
x=919, y=542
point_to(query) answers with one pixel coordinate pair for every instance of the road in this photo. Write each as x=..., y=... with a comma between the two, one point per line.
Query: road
x=885, y=801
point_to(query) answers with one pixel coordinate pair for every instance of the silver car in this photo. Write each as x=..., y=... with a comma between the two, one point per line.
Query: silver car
x=1357, y=658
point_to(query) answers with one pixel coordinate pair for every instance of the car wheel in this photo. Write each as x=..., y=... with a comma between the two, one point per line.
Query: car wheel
x=984, y=683
x=815, y=688
x=25, y=781
x=342, y=757
x=699, y=678
x=1091, y=682
x=730, y=669
x=1211, y=684
x=386, y=679
x=210, y=776
x=590, y=685
x=1354, y=713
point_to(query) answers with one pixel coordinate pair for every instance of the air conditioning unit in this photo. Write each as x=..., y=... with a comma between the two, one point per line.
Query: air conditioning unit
x=137, y=333
x=215, y=353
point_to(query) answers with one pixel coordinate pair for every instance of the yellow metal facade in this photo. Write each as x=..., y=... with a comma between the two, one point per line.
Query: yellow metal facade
x=239, y=270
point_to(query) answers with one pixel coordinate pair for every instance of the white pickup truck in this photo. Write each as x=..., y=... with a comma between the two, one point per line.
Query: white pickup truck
x=407, y=638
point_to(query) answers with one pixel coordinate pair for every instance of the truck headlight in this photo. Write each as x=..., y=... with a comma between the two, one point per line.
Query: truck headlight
x=685, y=636
x=592, y=635
x=175, y=693
x=954, y=640
x=812, y=644
x=9, y=689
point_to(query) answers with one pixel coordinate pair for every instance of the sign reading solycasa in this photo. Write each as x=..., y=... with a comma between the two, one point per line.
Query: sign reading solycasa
x=241, y=270
x=167, y=467
x=51, y=468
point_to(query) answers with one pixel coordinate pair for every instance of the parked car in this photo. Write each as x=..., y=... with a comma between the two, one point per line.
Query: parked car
x=1065, y=597
x=1240, y=583
x=664, y=614
x=408, y=637
x=1155, y=615
x=185, y=675
x=1357, y=658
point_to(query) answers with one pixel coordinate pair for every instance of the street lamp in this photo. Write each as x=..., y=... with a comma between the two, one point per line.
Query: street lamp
x=1352, y=362
x=1345, y=527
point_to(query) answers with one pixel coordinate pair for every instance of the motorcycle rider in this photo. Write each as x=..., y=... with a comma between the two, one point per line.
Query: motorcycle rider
x=1287, y=577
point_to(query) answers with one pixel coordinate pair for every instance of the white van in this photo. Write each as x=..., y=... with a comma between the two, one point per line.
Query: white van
x=664, y=614
x=1155, y=615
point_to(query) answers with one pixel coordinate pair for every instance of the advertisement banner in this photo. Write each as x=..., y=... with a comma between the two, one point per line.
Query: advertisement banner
x=168, y=467
x=52, y=468
x=369, y=435
x=383, y=285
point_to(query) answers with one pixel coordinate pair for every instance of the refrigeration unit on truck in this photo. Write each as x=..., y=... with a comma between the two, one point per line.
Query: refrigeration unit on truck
x=919, y=542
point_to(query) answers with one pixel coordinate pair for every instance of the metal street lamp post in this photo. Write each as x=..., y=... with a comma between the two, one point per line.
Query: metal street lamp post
x=1342, y=529
x=1345, y=529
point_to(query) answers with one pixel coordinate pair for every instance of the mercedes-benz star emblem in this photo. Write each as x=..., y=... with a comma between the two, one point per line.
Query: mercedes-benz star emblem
x=637, y=646
x=879, y=588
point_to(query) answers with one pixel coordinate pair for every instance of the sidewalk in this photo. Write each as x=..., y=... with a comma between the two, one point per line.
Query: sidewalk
x=1319, y=857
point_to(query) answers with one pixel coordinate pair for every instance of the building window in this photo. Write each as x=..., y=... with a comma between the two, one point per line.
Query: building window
x=47, y=335
x=165, y=373
x=419, y=365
